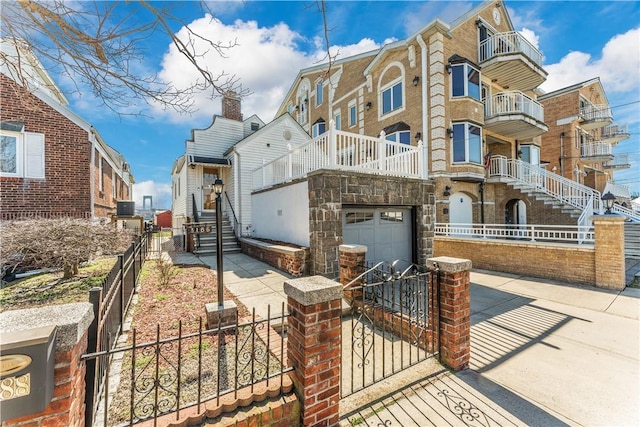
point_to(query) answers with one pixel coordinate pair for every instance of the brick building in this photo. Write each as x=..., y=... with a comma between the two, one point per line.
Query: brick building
x=54, y=163
x=581, y=138
x=468, y=89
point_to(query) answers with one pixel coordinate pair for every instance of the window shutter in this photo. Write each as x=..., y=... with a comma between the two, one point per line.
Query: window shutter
x=33, y=155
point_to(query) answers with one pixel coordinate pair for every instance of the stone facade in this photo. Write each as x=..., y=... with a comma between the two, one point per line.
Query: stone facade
x=330, y=190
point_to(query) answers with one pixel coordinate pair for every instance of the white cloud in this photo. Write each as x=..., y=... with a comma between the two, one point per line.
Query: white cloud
x=160, y=193
x=265, y=60
x=531, y=36
x=617, y=67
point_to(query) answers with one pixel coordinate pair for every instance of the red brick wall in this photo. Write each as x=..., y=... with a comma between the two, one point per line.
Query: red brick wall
x=66, y=187
x=295, y=262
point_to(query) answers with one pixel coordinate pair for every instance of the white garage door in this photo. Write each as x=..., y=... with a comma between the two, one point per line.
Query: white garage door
x=386, y=232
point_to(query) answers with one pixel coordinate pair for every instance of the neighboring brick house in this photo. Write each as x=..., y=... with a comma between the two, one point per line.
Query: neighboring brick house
x=581, y=138
x=53, y=163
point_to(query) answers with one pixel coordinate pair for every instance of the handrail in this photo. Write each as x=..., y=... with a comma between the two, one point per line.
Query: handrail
x=619, y=160
x=196, y=217
x=566, y=191
x=614, y=130
x=596, y=112
x=514, y=102
x=576, y=234
x=336, y=149
x=508, y=43
x=629, y=213
x=596, y=149
x=236, y=223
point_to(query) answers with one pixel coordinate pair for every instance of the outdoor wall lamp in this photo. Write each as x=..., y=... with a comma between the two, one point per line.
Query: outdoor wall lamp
x=448, y=68
x=368, y=105
x=418, y=136
x=416, y=80
x=608, y=200
x=450, y=132
x=447, y=191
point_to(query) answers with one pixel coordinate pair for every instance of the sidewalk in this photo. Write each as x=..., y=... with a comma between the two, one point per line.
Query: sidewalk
x=542, y=353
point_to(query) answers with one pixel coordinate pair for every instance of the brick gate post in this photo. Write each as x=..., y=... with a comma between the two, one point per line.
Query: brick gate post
x=313, y=347
x=609, y=251
x=67, y=404
x=455, y=311
x=352, y=262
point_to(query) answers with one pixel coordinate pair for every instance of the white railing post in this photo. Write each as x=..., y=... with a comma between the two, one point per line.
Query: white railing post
x=422, y=154
x=333, y=144
x=382, y=152
x=289, y=161
x=264, y=172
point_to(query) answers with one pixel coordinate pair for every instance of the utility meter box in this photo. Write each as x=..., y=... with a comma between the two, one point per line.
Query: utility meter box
x=26, y=371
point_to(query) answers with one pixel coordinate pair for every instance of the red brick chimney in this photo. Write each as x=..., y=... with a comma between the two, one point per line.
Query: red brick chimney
x=231, y=106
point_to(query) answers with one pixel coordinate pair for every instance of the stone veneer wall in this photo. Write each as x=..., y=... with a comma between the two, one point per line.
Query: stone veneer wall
x=330, y=190
x=293, y=261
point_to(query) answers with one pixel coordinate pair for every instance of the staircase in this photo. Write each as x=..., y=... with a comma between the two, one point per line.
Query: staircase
x=206, y=244
x=570, y=196
x=632, y=240
x=541, y=196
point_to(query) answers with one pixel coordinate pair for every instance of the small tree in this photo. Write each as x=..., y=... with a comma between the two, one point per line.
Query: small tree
x=57, y=243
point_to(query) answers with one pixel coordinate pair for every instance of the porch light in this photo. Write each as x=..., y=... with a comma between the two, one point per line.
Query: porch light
x=416, y=80
x=450, y=132
x=418, y=136
x=218, y=186
x=608, y=200
x=447, y=191
x=368, y=105
x=448, y=68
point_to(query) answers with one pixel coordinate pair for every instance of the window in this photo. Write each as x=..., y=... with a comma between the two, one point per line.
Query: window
x=114, y=188
x=467, y=143
x=22, y=154
x=100, y=180
x=403, y=137
x=337, y=117
x=255, y=126
x=465, y=81
x=302, y=112
x=358, y=217
x=392, y=98
x=530, y=154
x=318, y=128
x=352, y=115
x=319, y=93
x=392, y=216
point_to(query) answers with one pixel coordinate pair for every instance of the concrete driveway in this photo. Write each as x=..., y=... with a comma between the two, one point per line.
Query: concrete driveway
x=542, y=354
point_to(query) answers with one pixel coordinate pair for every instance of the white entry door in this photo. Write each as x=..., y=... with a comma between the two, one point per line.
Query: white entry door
x=386, y=232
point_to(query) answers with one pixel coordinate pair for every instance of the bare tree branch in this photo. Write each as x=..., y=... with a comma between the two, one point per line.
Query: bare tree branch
x=102, y=45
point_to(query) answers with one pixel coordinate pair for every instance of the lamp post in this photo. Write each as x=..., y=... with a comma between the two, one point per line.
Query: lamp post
x=608, y=200
x=218, y=186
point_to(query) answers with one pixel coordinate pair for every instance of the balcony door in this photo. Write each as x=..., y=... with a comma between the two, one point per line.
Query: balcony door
x=209, y=176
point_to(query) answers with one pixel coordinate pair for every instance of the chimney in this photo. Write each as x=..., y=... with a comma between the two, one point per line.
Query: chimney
x=231, y=106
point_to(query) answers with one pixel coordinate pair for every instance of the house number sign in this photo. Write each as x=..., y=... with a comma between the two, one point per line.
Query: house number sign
x=199, y=228
x=13, y=387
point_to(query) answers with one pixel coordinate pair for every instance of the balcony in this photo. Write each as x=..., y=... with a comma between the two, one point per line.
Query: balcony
x=615, y=133
x=511, y=61
x=594, y=152
x=595, y=116
x=514, y=115
x=619, y=162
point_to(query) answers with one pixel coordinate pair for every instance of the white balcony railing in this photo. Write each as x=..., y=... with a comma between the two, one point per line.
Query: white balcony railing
x=560, y=188
x=345, y=151
x=596, y=149
x=509, y=43
x=601, y=112
x=615, y=130
x=574, y=234
x=514, y=102
x=619, y=161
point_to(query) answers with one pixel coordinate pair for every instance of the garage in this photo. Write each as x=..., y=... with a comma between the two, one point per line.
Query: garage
x=386, y=232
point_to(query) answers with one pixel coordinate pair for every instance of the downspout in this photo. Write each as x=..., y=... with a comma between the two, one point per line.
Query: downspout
x=561, y=153
x=425, y=101
x=92, y=173
x=236, y=188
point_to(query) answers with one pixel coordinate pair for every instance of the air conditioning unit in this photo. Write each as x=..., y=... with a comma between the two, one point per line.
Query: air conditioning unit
x=126, y=208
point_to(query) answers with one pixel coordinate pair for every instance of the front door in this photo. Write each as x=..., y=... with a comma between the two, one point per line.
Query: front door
x=209, y=176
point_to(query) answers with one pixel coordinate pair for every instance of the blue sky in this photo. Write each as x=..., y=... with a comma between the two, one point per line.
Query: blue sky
x=579, y=39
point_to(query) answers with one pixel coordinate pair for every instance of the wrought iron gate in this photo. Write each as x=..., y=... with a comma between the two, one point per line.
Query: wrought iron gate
x=391, y=326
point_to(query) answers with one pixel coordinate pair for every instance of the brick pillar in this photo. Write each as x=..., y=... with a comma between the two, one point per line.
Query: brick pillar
x=352, y=262
x=455, y=311
x=609, y=248
x=313, y=347
x=72, y=320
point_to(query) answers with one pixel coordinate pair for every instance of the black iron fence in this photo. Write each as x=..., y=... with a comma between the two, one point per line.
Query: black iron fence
x=165, y=375
x=110, y=303
x=392, y=324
